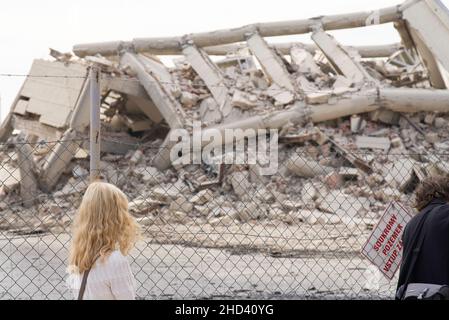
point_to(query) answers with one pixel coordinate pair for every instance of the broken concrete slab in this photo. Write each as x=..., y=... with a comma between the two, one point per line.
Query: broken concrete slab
x=400, y=173
x=270, y=61
x=149, y=175
x=166, y=193
x=9, y=177
x=61, y=155
x=144, y=205
x=211, y=75
x=181, y=204
x=281, y=96
x=428, y=24
x=159, y=92
x=345, y=62
x=251, y=210
x=42, y=96
x=28, y=181
x=315, y=217
x=240, y=183
x=432, y=137
x=366, y=142
x=343, y=204
x=244, y=100
x=202, y=197
x=304, y=61
x=306, y=168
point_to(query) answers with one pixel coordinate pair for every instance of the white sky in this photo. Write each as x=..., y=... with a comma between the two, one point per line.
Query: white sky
x=28, y=28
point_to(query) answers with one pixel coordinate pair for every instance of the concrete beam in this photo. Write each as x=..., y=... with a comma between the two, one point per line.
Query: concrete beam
x=210, y=74
x=271, y=63
x=157, y=86
x=161, y=45
x=345, y=62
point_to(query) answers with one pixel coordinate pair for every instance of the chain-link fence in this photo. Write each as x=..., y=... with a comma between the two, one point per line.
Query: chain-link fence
x=211, y=230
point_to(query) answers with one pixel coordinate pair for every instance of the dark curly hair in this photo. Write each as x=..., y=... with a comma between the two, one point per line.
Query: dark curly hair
x=431, y=188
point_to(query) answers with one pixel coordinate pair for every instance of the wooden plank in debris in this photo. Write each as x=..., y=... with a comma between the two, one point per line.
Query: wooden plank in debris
x=270, y=61
x=428, y=23
x=345, y=62
x=210, y=74
x=57, y=161
x=28, y=181
x=159, y=92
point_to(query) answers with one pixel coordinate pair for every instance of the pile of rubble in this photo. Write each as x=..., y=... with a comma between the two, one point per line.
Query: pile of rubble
x=358, y=126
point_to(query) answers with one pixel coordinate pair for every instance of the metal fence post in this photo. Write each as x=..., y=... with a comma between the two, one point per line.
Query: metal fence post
x=94, y=123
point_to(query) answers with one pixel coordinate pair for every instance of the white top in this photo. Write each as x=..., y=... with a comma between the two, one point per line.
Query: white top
x=108, y=280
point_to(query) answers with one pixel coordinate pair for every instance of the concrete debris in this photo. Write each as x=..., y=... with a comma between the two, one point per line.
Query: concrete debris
x=432, y=137
x=149, y=175
x=364, y=142
x=224, y=221
x=188, y=99
x=306, y=168
x=440, y=123
x=136, y=157
x=181, y=204
x=280, y=96
x=202, y=197
x=334, y=108
x=343, y=204
x=309, y=193
x=400, y=173
x=9, y=177
x=315, y=217
x=357, y=123
x=166, y=193
x=79, y=172
x=243, y=100
x=334, y=180
x=140, y=206
x=241, y=184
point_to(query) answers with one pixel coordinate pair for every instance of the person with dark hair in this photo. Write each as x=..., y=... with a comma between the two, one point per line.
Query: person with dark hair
x=426, y=237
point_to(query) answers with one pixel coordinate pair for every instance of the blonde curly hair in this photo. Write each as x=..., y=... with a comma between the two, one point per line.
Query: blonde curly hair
x=102, y=225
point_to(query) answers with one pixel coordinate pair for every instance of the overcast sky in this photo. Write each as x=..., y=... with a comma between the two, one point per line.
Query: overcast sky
x=28, y=28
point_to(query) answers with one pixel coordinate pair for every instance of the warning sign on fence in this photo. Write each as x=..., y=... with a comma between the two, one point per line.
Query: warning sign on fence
x=384, y=246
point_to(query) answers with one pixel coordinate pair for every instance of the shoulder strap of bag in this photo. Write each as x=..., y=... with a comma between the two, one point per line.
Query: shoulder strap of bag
x=83, y=284
x=84, y=281
x=414, y=248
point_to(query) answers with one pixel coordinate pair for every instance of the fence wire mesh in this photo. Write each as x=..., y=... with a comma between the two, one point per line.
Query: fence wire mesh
x=210, y=231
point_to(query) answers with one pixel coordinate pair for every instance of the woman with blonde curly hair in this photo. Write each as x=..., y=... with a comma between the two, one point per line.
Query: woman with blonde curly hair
x=103, y=234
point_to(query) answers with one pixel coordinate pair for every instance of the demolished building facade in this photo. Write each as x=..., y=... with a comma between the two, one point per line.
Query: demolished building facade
x=331, y=104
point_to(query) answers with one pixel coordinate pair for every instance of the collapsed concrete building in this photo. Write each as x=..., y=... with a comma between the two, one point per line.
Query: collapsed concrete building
x=329, y=102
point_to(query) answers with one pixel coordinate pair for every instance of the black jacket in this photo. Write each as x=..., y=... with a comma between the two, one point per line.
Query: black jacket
x=432, y=264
